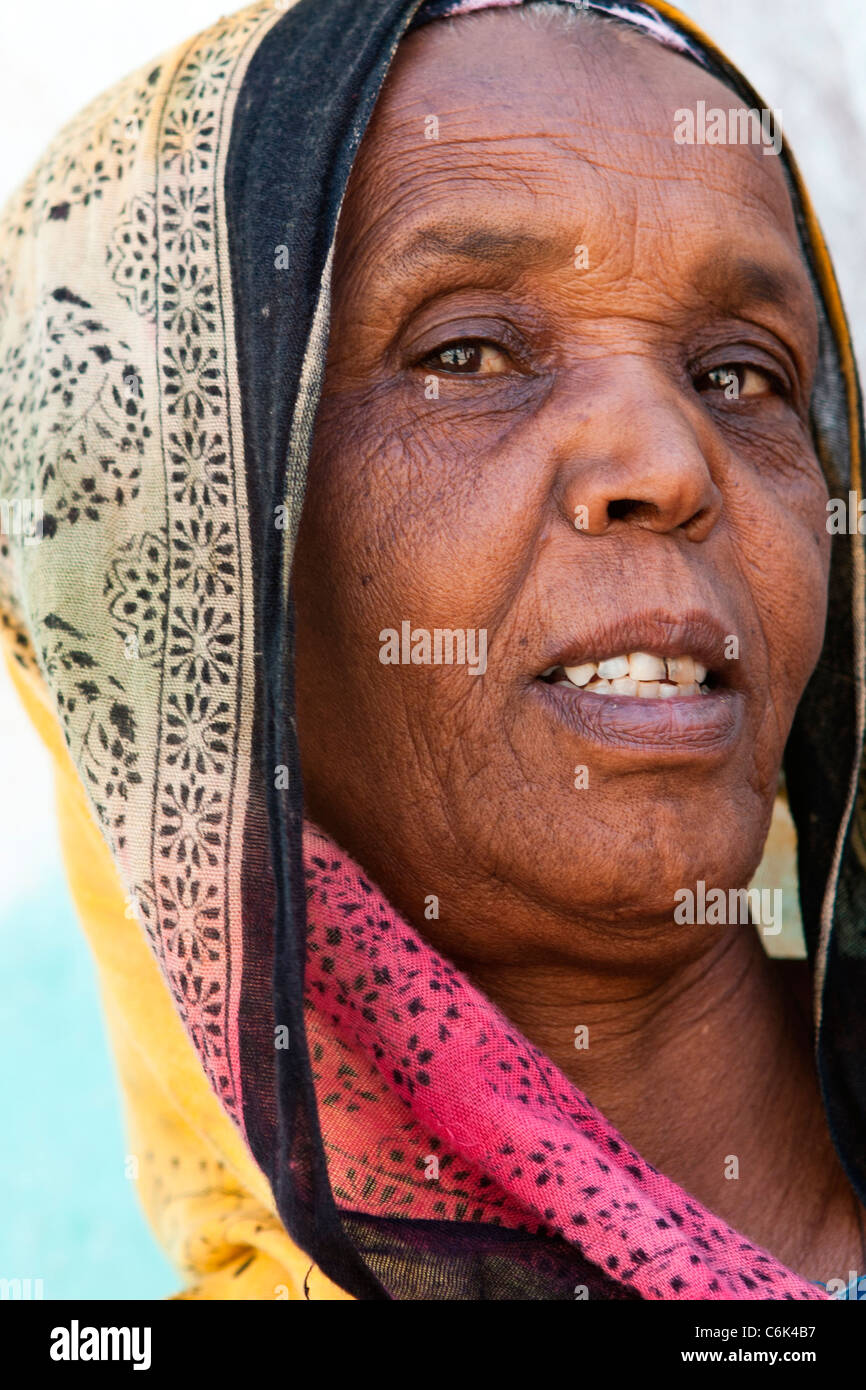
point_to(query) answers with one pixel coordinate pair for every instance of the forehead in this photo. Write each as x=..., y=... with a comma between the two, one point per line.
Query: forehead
x=492, y=125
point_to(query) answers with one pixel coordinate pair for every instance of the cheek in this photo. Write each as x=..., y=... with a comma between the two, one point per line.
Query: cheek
x=382, y=544
x=784, y=555
x=417, y=517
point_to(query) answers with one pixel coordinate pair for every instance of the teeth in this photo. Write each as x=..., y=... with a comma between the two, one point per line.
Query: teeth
x=639, y=674
x=642, y=667
x=581, y=675
x=681, y=670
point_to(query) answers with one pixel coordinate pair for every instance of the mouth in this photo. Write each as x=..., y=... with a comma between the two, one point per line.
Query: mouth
x=656, y=688
x=637, y=675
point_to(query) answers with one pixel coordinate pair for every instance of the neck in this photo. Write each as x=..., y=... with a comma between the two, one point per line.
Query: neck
x=708, y=1073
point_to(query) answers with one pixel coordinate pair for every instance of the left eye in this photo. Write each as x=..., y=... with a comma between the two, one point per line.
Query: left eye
x=738, y=381
x=469, y=357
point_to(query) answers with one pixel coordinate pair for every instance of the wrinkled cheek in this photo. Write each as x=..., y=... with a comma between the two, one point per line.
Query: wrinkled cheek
x=810, y=555
x=414, y=512
x=793, y=596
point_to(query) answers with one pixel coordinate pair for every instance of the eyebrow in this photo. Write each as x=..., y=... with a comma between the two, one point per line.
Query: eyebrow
x=487, y=245
x=737, y=284
x=747, y=281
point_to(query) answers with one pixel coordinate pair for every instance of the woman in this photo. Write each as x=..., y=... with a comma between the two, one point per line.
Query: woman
x=569, y=385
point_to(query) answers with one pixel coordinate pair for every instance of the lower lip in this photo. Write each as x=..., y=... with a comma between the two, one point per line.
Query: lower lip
x=691, y=726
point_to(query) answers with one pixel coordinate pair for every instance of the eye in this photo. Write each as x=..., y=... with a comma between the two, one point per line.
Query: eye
x=469, y=357
x=741, y=381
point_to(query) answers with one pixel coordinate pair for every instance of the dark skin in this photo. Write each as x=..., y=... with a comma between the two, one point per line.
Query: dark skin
x=599, y=386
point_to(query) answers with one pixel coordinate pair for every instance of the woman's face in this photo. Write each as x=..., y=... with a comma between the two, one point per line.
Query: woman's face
x=543, y=307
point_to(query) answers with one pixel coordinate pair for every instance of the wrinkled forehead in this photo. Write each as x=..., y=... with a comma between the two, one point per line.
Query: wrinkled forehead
x=490, y=89
x=504, y=131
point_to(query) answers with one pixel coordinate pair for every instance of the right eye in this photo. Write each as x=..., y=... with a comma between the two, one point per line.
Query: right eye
x=469, y=357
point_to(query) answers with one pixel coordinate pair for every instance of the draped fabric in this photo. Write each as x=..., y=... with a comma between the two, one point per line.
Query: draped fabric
x=164, y=311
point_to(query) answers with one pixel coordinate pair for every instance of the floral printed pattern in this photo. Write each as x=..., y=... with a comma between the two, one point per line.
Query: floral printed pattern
x=113, y=318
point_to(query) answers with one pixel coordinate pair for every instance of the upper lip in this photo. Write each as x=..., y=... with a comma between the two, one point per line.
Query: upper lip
x=695, y=633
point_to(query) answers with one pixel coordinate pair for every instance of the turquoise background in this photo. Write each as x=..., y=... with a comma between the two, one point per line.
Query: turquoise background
x=68, y=1215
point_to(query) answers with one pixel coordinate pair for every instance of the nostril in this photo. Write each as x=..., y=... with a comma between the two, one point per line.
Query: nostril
x=648, y=515
x=617, y=511
x=627, y=506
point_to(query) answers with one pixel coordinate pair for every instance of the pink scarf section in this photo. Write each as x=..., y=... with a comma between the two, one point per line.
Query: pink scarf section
x=441, y=1060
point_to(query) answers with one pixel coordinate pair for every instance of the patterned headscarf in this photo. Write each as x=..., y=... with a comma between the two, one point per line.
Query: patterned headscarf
x=164, y=308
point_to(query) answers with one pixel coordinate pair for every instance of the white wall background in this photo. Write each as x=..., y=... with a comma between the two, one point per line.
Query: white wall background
x=806, y=58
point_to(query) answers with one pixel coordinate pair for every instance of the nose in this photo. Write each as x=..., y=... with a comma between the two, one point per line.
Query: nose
x=635, y=455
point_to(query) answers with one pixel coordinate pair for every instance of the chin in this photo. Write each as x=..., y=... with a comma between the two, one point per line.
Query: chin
x=626, y=882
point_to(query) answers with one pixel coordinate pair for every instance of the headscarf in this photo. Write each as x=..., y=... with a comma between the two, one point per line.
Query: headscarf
x=164, y=312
